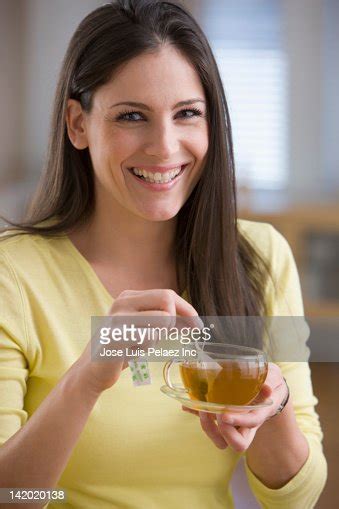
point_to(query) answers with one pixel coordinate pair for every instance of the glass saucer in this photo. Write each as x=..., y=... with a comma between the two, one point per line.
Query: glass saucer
x=214, y=408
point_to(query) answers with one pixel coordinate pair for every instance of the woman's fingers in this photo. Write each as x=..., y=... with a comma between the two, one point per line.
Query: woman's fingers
x=207, y=422
x=274, y=376
x=238, y=438
x=166, y=300
x=164, y=308
x=238, y=429
x=249, y=420
x=211, y=429
x=222, y=434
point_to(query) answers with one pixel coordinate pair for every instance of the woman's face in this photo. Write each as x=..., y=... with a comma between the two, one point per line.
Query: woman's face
x=160, y=140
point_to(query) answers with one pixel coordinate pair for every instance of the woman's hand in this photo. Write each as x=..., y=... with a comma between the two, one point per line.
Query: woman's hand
x=238, y=430
x=99, y=375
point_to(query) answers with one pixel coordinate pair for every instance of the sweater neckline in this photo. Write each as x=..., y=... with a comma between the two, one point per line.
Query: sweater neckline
x=92, y=273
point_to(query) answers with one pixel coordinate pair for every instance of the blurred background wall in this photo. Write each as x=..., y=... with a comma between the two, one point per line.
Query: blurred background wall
x=279, y=63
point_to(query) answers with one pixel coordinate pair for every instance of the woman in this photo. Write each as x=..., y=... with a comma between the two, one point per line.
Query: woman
x=136, y=211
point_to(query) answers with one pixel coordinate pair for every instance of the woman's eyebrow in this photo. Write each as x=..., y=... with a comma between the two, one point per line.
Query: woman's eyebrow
x=145, y=107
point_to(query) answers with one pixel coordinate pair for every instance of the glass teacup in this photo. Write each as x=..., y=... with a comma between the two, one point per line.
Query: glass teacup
x=220, y=374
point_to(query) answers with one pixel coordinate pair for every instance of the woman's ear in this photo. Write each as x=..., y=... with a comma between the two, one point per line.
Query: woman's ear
x=76, y=124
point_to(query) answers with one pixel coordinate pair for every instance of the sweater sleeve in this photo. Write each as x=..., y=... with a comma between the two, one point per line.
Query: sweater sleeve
x=13, y=349
x=285, y=299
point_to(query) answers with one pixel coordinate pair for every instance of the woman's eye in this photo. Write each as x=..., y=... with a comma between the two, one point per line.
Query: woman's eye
x=193, y=112
x=136, y=116
x=129, y=116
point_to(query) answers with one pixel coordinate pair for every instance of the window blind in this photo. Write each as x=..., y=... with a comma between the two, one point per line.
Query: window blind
x=246, y=38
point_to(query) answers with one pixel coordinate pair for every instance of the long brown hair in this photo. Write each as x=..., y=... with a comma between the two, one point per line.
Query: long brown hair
x=223, y=274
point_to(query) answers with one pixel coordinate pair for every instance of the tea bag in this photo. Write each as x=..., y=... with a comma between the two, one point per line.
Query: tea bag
x=211, y=367
x=205, y=361
x=210, y=370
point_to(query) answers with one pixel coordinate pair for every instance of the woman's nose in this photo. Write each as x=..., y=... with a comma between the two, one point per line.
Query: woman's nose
x=162, y=141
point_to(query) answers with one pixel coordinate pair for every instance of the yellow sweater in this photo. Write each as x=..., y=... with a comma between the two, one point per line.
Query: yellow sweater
x=138, y=450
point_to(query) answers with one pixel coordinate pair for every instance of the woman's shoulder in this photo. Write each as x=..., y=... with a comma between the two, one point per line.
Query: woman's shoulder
x=267, y=241
x=263, y=234
x=257, y=231
x=17, y=247
x=13, y=240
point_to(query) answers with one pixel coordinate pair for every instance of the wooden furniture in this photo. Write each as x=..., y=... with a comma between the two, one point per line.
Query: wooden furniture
x=308, y=228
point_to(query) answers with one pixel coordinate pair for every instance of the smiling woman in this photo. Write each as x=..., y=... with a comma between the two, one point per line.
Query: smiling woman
x=160, y=147
x=154, y=56
x=136, y=214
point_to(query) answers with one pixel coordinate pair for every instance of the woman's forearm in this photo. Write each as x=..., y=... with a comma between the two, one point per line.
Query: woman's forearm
x=279, y=450
x=38, y=453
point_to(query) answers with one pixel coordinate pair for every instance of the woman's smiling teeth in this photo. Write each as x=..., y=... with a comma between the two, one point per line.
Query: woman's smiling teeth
x=157, y=177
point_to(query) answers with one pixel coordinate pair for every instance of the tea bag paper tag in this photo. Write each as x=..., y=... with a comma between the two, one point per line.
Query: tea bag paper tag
x=140, y=372
x=203, y=358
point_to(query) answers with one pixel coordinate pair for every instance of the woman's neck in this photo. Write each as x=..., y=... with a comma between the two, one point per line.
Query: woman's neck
x=127, y=242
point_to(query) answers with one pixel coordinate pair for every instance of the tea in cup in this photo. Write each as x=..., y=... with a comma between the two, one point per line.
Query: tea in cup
x=221, y=374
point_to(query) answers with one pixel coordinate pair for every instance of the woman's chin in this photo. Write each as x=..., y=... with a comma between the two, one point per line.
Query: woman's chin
x=158, y=214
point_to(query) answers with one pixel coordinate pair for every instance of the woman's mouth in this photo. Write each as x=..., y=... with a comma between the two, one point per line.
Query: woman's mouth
x=158, y=180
